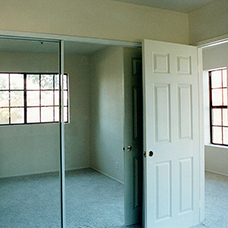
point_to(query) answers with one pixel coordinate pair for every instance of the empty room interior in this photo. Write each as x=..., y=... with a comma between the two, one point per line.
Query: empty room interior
x=94, y=133
x=102, y=182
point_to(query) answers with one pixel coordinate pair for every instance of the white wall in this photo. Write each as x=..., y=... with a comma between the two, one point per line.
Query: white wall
x=29, y=149
x=89, y=18
x=215, y=57
x=208, y=22
x=94, y=136
x=216, y=157
x=77, y=135
x=107, y=111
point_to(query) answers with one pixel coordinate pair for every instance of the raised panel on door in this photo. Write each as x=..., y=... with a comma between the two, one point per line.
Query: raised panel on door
x=186, y=185
x=185, y=111
x=163, y=190
x=162, y=112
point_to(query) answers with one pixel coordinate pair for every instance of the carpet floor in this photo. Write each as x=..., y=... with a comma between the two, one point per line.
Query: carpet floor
x=216, y=202
x=92, y=200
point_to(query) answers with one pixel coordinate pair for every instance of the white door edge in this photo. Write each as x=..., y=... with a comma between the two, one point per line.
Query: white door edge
x=202, y=153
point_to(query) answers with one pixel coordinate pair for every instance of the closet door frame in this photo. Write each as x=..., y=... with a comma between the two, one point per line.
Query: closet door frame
x=60, y=39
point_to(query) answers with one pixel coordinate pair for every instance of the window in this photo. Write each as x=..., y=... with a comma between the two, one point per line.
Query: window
x=31, y=98
x=218, y=106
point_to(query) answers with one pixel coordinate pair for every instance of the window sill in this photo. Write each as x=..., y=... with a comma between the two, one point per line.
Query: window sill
x=216, y=146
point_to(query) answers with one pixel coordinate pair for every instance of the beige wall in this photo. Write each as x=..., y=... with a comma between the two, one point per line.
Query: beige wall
x=107, y=112
x=208, y=22
x=216, y=157
x=215, y=57
x=29, y=149
x=96, y=117
x=77, y=134
x=88, y=18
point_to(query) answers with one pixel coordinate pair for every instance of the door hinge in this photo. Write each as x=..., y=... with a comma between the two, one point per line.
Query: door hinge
x=144, y=154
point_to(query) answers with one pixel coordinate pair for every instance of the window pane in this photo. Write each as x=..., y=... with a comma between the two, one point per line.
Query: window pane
x=4, y=98
x=56, y=81
x=17, y=115
x=225, y=135
x=33, y=98
x=216, y=117
x=56, y=114
x=47, y=81
x=225, y=117
x=17, y=98
x=225, y=97
x=56, y=98
x=216, y=79
x=217, y=97
x=224, y=78
x=47, y=114
x=65, y=82
x=46, y=97
x=4, y=115
x=16, y=81
x=4, y=81
x=65, y=98
x=33, y=115
x=65, y=114
x=217, y=135
x=33, y=82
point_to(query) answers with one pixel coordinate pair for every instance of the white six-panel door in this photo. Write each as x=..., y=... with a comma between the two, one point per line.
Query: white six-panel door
x=171, y=135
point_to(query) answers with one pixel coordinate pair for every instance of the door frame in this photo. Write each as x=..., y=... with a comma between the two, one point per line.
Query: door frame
x=201, y=45
x=200, y=148
x=61, y=39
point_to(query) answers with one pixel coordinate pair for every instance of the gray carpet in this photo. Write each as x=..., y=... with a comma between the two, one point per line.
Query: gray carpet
x=93, y=200
x=216, y=202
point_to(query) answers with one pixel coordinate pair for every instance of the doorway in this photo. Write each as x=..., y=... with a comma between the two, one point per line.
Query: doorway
x=101, y=92
x=81, y=125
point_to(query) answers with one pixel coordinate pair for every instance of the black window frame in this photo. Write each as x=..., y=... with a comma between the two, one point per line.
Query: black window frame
x=218, y=107
x=25, y=90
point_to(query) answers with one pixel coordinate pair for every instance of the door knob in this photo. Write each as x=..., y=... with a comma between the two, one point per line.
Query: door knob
x=151, y=153
x=129, y=148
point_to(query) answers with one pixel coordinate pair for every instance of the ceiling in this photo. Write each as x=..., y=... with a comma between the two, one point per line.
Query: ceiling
x=185, y=6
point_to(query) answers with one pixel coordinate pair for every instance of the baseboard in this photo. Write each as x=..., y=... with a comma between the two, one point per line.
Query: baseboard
x=107, y=175
x=82, y=167
x=43, y=172
x=67, y=170
x=224, y=174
